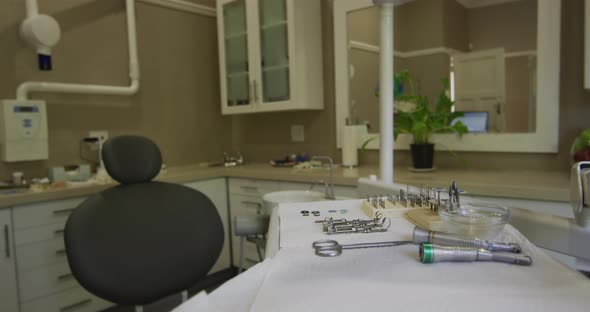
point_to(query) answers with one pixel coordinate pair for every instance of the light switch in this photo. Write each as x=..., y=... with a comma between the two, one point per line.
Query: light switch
x=297, y=133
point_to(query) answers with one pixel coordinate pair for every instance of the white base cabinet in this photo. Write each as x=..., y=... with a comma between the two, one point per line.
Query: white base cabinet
x=216, y=190
x=8, y=296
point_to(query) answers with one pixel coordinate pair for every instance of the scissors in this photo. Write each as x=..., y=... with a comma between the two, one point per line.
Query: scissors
x=331, y=248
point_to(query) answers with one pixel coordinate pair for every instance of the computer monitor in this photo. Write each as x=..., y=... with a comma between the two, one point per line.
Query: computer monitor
x=476, y=122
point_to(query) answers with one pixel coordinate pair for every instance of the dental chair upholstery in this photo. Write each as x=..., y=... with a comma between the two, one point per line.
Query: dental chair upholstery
x=141, y=240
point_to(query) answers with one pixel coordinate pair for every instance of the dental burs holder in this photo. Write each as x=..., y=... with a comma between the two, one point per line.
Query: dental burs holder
x=432, y=253
x=396, y=206
x=343, y=226
x=329, y=190
x=446, y=239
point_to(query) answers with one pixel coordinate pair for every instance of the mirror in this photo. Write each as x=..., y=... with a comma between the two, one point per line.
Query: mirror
x=503, y=75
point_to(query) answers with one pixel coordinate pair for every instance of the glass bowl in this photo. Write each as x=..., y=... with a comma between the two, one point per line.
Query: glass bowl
x=484, y=221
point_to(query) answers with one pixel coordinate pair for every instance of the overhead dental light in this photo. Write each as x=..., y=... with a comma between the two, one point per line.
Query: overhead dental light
x=41, y=32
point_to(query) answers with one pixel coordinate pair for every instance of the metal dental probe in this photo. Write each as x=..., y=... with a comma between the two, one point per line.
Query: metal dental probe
x=447, y=239
x=432, y=253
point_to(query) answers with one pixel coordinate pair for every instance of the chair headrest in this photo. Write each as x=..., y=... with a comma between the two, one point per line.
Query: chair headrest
x=131, y=159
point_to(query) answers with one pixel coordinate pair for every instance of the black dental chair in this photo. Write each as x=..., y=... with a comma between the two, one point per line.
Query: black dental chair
x=141, y=240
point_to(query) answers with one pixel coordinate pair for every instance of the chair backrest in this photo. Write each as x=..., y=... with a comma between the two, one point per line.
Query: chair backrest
x=141, y=240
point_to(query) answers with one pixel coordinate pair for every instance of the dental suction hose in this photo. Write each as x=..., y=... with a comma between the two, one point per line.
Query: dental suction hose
x=432, y=253
x=421, y=236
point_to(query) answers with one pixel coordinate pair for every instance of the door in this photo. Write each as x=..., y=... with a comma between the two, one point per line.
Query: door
x=275, y=46
x=237, y=82
x=8, y=296
x=479, y=85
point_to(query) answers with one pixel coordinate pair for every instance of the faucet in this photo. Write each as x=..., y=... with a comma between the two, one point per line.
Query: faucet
x=330, y=185
x=232, y=161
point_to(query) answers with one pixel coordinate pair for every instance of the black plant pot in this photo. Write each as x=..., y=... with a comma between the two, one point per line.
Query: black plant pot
x=422, y=155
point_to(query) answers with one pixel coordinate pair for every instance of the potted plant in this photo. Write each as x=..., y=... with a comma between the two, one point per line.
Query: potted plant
x=413, y=114
x=580, y=150
x=423, y=120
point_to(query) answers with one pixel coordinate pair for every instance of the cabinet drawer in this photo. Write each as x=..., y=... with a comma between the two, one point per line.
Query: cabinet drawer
x=45, y=280
x=39, y=234
x=35, y=255
x=72, y=300
x=252, y=187
x=245, y=205
x=27, y=216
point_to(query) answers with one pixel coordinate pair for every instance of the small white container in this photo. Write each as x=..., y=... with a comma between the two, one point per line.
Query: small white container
x=17, y=178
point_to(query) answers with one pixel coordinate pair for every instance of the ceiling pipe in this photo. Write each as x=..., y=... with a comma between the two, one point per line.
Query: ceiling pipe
x=23, y=90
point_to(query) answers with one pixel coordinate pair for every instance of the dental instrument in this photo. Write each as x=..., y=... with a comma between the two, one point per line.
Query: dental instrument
x=331, y=248
x=433, y=253
x=421, y=235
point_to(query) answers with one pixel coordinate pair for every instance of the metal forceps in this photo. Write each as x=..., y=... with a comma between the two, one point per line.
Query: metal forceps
x=331, y=248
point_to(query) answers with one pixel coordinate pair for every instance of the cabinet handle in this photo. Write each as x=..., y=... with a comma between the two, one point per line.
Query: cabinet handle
x=60, y=252
x=59, y=232
x=75, y=305
x=64, y=277
x=246, y=187
x=6, y=241
x=63, y=211
x=250, y=203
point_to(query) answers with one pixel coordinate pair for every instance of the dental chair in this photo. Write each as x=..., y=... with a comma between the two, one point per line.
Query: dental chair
x=141, y=240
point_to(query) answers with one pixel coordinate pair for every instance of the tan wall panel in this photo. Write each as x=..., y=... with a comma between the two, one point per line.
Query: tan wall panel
x=512, y=25
x=178, y=103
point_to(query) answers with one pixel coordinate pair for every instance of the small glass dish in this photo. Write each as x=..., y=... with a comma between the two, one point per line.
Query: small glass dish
x=484, y=221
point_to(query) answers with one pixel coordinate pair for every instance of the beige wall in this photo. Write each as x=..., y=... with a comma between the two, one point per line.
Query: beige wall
x=189, y=109
x=178, y=103
x=455, y=32
x=511, y=25
x=516, y=32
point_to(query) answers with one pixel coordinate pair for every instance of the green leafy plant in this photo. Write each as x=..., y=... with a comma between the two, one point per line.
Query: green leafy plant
x=418, y=118
x=423, y=121
x=581, y=147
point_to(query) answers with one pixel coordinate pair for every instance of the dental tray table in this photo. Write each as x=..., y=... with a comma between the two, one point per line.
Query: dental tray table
x=293, y=278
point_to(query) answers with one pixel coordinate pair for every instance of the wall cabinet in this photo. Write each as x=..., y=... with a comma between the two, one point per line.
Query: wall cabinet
x=270, y=55
x=8, y=297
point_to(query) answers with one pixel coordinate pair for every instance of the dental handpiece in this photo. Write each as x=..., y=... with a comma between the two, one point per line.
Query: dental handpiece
x=447, y=239
x=433, y=253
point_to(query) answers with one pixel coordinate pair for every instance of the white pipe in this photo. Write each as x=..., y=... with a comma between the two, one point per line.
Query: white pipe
x=25, y=88
x=386, y=89
x=32, y=8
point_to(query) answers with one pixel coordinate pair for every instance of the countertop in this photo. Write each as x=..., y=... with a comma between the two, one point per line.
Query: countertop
x=532, y=185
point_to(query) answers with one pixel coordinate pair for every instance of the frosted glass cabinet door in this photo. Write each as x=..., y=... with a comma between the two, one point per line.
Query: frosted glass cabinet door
x=236, y=53
x=274, y=49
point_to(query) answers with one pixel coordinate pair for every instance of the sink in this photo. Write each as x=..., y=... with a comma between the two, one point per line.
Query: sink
x=272, y=200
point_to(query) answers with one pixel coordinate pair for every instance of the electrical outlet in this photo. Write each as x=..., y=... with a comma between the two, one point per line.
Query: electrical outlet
x=297, y=133
x=101, y=135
